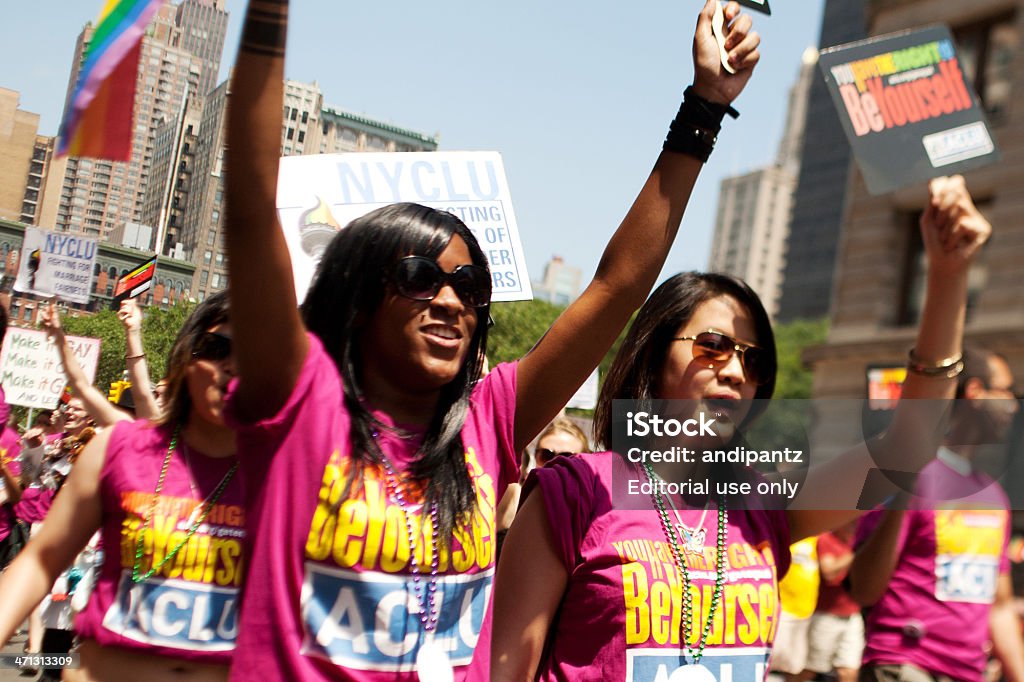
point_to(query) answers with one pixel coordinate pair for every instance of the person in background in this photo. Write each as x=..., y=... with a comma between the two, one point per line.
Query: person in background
x=562, y=437
x=837, y=629
x=144, y=397
x=798, y=596
x=934, y=569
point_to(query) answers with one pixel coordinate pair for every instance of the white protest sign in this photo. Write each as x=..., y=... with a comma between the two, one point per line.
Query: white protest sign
x=56, y=264
x=30, y=368
x=319, y=195
x=586, y=397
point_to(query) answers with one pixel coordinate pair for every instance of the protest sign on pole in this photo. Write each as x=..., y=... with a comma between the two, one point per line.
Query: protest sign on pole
x=30, y=368
x=907, y=108
x=319, y=195
x=56, y=264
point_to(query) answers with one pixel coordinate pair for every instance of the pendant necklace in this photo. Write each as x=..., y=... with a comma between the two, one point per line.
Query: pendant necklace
x=692, y=672
x=432, y=664
x=206, y=506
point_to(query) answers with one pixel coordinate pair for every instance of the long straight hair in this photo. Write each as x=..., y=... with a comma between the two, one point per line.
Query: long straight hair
x=177, y=401
x=634, y=372
x=347, y=290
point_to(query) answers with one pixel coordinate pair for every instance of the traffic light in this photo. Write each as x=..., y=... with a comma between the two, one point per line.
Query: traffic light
x=116, y=389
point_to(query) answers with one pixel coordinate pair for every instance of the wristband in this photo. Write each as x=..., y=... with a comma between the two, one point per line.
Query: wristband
x=134, y=357
x=695, y=128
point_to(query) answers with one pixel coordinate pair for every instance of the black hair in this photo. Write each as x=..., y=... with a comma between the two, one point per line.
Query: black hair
x=177, y=401
x=976, y=366
x=634, y=372
x=347, y=290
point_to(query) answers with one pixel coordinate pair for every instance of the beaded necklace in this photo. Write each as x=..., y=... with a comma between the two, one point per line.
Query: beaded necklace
x=432, y=663
x=206, y=505
x=677, y=554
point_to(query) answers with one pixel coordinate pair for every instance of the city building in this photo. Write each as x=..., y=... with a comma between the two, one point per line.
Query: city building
x=170, y=178
x=876, y=300
x=202, y=25
x=818, y=204
x=96, y=196
x=561, y=283
x=170, y=285
x=753, y=215
x=307, y=127
x=18, y=140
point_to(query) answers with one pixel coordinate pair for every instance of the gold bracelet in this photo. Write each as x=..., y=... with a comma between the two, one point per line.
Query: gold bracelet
x=944, y=369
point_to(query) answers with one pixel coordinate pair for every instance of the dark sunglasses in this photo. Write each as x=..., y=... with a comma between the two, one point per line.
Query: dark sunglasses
x=543, y=455
x=421, y=279
x=212, y=346
x=718, y=347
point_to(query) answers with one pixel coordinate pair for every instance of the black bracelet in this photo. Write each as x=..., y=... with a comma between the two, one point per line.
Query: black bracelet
x=695, y=128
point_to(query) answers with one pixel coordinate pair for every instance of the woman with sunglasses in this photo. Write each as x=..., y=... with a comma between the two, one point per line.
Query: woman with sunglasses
x=374, y=455
x=169, y=506
x=653, y=583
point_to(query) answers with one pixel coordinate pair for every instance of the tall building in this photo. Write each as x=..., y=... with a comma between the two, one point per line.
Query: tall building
x=307, y=127
x=754, y=208
x=821, y=187
x=202, y=25
x=880, y=267
x=18, y=135
x=97, y=196
x=170, y=178
x=561, y=283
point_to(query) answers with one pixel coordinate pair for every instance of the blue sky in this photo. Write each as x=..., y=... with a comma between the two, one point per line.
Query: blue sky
x=576, y=96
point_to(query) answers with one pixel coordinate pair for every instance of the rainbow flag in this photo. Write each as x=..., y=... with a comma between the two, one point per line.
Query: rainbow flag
x=98, y=122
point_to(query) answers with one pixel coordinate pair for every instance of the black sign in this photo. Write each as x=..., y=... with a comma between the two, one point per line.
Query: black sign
x=908, y=108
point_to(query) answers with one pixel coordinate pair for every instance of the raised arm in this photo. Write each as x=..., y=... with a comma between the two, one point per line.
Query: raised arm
x=560, y=362
x=135, y=360
x=75, y=515
x=96, y=404
x=953, y=231
x=270, y=343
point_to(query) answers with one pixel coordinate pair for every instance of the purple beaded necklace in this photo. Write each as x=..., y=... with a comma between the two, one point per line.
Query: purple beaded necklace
x=432, y=664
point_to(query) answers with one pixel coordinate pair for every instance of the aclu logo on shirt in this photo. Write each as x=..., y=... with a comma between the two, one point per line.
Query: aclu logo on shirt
x=174, y=613
x=371, y=621
x=746, y=664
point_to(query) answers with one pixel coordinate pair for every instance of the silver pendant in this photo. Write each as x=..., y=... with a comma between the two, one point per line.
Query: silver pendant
x=432, y=664
x=693, y=538
x=692, y=672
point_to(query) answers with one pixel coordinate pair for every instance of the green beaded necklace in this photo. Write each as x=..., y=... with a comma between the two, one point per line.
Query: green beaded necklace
x=207, y=504
x=677, y=554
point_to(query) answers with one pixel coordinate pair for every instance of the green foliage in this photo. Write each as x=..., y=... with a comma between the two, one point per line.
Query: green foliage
x=159, y=329
x=785, y=422
x=795, y=380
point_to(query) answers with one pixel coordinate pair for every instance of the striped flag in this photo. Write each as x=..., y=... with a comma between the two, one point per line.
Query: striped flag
x=98, y=122
x=135, y=282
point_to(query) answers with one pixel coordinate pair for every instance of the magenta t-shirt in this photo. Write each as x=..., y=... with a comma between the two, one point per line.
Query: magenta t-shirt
x=10, y=448
x=329, y=594
x=945, y=579
x=620, y=616
x=189, y=608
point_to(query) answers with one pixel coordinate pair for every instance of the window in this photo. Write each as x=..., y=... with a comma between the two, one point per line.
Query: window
x=987, y=50
x=207, y=255
x=911, y=298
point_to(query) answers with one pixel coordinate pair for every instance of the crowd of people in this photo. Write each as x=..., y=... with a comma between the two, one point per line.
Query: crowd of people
x=322, y=487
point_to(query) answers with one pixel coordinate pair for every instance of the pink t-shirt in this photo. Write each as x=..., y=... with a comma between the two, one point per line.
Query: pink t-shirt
x=945, y=579
x=329, y=593
x=620, y=618
x=10, y=448
x=189, y=608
